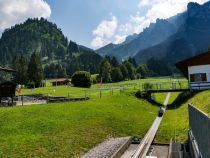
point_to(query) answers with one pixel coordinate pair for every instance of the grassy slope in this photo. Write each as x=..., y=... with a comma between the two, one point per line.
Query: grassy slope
x=70, y=129
x=160, y=97
x=202, y=101
x=175, y=121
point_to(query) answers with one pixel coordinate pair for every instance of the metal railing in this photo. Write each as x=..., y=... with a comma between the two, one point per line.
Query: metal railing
x=175, y=85
x=199, y=124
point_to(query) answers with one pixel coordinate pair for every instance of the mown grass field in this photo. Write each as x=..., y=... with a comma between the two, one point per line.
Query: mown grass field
x=93, y=92
x=71, y=129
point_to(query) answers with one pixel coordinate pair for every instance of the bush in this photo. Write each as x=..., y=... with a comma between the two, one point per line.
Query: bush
x=94, y=79
x=81, y=79
x=138, y=76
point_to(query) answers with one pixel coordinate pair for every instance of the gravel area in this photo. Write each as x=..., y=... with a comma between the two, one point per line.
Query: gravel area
x=160, y=151
x=106, y=149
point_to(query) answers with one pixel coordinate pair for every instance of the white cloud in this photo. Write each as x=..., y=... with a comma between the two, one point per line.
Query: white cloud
x=106, y=28
x=161, y=9
x=97, y=42
x=17, y=11
x=104, y=31
x=119, y=39
x=111, y=31
x=144, y=3
x=166, y=8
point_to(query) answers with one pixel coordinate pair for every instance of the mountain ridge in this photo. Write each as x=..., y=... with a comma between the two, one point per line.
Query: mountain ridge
x=191, y=38
x=149, y=37
x=177, y=37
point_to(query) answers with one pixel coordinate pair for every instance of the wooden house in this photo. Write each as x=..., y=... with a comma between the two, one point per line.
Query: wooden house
x=197, y=71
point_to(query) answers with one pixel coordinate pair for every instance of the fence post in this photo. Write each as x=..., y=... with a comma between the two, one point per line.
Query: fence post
x=85, y=93
x=100, y=94
x=47, y=98
x=22, y=100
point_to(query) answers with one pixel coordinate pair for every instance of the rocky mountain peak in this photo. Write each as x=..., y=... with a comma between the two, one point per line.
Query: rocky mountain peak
x=196, y=10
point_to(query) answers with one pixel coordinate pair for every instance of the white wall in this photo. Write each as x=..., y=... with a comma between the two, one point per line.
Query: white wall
x=200, y=69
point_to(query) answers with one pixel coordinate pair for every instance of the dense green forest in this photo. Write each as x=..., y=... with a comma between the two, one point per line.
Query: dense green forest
x=59, y=56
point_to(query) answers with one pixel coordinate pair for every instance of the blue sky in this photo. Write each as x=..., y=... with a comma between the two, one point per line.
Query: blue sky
x=78, y=18
x=93, y=23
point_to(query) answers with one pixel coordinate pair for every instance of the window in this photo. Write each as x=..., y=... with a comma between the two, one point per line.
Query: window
x=200, y=77
x=203, y=77
x=192, y=77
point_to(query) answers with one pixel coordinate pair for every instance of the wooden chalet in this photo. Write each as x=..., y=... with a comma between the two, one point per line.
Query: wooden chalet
x=197, y=71
x=60, y=82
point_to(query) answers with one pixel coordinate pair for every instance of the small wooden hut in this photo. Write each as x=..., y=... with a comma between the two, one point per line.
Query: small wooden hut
x=7, y=89
x=60, y=82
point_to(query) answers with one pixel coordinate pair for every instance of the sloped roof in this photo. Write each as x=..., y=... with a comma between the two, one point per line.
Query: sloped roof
x=6, y=69
x=202, y=59
x=60, y=80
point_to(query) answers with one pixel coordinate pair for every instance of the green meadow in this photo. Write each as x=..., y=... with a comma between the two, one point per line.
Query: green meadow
x=71, y=129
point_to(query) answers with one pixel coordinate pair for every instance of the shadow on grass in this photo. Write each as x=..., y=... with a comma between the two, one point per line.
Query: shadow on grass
x=139, y=95
x=180, y=100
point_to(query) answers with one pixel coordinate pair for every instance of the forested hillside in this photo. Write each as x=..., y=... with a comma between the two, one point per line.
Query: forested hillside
x=60, y=57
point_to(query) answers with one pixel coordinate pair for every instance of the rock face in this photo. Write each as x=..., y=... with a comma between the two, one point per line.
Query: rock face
x=173, y=39
x=199, y=11
x=192, y=37
x=154, y=34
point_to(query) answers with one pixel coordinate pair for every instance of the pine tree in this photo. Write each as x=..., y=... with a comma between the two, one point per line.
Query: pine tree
x=133, y=62
x=143, y=70
x=72, y=48
x=124, y=71
x=35, y=70
x=20, y=65
x=131, y=70
x=116, y=74
x=105, y=70
x=114, y=62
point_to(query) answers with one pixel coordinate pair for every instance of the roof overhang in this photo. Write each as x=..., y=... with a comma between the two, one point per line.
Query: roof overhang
x=202, y=59
x=7, y=69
